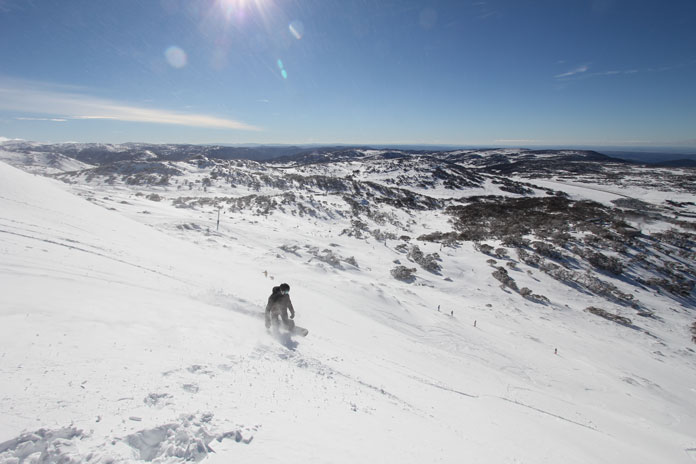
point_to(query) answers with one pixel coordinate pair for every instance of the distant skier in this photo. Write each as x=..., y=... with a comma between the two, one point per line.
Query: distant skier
x=278, y=305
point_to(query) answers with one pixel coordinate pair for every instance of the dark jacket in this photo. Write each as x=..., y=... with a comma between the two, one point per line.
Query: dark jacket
x=278, y=305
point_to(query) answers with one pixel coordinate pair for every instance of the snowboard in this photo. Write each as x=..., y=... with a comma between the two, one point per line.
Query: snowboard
x=297, y=330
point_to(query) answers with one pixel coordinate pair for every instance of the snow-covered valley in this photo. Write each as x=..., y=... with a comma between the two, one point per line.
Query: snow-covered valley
x=131, y=321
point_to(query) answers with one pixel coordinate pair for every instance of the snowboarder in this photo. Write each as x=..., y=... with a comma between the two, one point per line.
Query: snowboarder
x=278, y=305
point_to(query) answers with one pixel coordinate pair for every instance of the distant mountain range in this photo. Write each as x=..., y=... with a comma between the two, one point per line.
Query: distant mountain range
x=100, y=153
x=656, y=158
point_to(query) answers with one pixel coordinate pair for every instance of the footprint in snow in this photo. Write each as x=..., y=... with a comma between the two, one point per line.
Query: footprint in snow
x=191, y=387
x=154, y=399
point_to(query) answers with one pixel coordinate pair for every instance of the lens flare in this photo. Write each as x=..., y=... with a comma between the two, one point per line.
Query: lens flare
x=283, y=72
x=176, y=57
x=296, y=29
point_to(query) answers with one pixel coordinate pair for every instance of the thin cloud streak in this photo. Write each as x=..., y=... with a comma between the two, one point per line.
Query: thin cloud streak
x=602, y=74
x=581, y=71
x=578, y=70
x=28, y=99
x=42, y=119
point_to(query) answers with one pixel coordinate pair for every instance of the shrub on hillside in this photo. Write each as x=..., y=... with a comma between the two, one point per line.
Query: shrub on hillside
x=547, y=250
x=501, y=253
x=559, y=273
x=483, y=248
x=382, y=236
x=527, y=293
x=403, y=273
x=502, y=217
x=606, y=263
x=401, y=248
x=290, y=249
x=560, y=238
x=605, y=289
x=531, y=259
x=678, y=285
x=609, y=316
x=676, y=238
x=448, y=238
x=501, y=275
x=515, y=241
x=429, y=262
x=327, y=256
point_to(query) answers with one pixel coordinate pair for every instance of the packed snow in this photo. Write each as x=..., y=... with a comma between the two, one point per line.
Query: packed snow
x=132, y=331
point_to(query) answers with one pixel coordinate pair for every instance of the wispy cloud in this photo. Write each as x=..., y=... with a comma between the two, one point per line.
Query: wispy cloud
x=36, y=98
x=581, y=72
x=484, y=10
x=10, y=6
x=587, y=75
x=5, y=6
x=43, y=119
x=573, y=72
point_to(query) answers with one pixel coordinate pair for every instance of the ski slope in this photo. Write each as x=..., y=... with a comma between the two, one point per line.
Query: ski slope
x=127, y=337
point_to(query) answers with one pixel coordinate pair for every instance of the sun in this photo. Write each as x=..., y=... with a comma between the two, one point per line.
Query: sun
x=239, y=9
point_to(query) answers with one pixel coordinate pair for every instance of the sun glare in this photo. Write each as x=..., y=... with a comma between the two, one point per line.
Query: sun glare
x=239, y=9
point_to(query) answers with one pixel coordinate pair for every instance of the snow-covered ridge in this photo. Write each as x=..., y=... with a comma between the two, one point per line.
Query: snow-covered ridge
x=100, y=153
x=42, y=162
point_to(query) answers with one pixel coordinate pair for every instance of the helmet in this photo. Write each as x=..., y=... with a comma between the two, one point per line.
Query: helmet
x=284, y=288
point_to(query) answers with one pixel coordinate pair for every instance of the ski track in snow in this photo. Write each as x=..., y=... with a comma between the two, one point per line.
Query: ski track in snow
x=548, y=413
x=74, y=247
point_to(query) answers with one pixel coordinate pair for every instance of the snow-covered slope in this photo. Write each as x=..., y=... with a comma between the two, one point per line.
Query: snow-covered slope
x=131, y=330
x=42, y=162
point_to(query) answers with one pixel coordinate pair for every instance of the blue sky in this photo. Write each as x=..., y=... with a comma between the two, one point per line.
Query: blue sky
x=492, y=73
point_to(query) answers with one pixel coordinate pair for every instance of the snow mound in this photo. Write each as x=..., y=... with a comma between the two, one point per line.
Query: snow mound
x=188, y=439
x=42, y=446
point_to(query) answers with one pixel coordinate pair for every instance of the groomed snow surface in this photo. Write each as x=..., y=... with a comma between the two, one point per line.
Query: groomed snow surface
x=122, y=341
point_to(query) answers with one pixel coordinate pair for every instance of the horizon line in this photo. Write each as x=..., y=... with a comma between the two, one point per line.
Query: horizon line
x=560, y=146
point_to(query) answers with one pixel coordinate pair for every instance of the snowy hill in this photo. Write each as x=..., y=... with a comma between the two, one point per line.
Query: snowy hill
x=99, y=153
x=131, y=323
x=42, y=162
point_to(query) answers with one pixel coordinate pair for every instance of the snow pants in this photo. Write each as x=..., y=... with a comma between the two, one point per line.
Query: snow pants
x=283, y=315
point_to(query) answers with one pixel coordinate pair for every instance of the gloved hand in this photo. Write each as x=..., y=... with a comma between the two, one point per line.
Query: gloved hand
x=292, y=315
x=268, y=324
